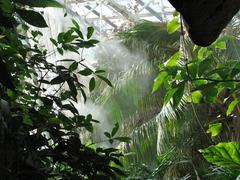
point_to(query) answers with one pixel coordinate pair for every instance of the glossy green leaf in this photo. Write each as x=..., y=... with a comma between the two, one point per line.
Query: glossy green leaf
x=214, y=129
x=76, y=24
x=90, y=31
x=79, y=32
x=220, y=45
x=83, y=95
x=85, y=72
x=226, y=155
x=173, y=26
x=71, y=108
x=100, y=71
x=200, y=82
x=201, y=52
x=105, y=80
x=72, y=88
x=93, y=41
x=92, y=84
x=73, y=66
x=60, y=37
x=196, y=96
x=60, y=50
x=159, y=80
x=173, y=61
x=57, y=80
x=107, y=134
x=115, y=129
x=32, y=17
x=36, y=33
x=232, y=106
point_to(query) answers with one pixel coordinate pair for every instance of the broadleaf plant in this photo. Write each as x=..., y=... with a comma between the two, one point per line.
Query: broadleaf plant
x=226, y=155
x=39, y=128
x=200, y=78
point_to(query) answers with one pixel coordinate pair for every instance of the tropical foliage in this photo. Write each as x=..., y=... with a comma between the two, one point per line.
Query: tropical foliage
x=178, y=102
x=193, y=113
x=39, y=122
x=202, y=77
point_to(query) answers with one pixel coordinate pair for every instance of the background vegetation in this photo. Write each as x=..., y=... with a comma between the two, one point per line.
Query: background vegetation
x=178, y=102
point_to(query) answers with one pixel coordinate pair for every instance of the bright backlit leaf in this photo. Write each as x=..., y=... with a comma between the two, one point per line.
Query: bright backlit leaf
x=173, y=26
x=201, y=52
x=173, y=61
x=197, y=96
x=231, y=106
x=220, y=45
x=214, y=129
x=226, y=155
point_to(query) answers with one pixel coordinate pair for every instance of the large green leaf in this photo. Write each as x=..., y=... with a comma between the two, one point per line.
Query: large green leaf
x=224, y=154
x=32, y=17
x=40, y=3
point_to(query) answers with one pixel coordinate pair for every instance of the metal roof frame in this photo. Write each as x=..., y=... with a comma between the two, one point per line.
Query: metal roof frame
x=119, y=15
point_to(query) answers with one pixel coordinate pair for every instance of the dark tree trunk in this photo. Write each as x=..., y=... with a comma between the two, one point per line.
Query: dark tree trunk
x=205, y=19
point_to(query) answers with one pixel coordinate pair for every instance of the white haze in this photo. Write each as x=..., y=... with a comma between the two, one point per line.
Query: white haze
x=109, y=52
x=115, y=54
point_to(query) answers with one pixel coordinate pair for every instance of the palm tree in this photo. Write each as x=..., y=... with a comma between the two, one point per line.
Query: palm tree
x=167, y=142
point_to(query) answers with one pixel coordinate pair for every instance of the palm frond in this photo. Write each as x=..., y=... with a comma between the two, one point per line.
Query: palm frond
x=153, y=38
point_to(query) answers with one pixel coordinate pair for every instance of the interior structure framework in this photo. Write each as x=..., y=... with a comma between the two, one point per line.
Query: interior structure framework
x=108, y=16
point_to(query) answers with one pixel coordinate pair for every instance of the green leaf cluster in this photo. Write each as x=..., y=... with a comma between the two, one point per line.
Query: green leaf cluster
x=40, y=131
x=224, y=154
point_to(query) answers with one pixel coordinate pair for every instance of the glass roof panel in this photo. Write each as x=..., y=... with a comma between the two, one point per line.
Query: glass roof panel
x=109, y=16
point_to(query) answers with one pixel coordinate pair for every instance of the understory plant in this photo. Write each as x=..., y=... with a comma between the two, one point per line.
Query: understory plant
x=208, y=76
x=39, y=121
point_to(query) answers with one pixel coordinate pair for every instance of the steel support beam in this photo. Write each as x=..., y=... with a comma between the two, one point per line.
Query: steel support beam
x=153, y=12
x=103, y=17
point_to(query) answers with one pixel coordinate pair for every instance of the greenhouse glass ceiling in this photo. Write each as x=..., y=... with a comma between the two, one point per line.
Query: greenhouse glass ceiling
x=108, y=16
